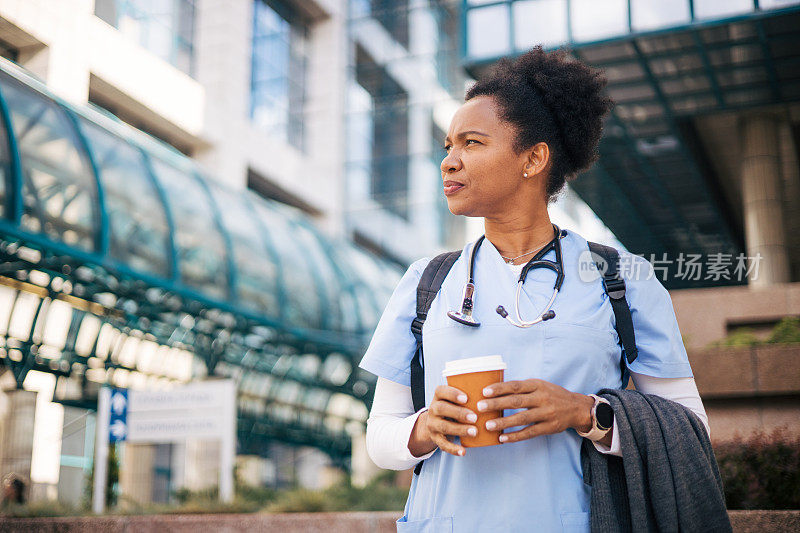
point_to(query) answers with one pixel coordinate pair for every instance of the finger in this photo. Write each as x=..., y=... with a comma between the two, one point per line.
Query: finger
x=509, y=401
x=447, y=446
x=444, y=409
x=446, y=427
x=523, y=418
x=451, y=394
x=534, y=430
x=510, y=387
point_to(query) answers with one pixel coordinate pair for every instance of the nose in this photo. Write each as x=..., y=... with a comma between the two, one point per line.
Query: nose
x=450, y=163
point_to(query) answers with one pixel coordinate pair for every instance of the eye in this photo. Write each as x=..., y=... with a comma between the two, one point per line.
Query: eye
x=447, y=146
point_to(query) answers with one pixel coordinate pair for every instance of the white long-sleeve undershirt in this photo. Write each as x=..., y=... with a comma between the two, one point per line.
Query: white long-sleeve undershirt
x=392, y=418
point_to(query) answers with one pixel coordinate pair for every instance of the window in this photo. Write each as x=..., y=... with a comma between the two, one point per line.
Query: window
x=388, y=134
x=279, y=62
x=593, y=21
x=448, y=68
x=393, y=15
x=8, y=51
x=482, y=43
x=539, y=22
x=165, y=28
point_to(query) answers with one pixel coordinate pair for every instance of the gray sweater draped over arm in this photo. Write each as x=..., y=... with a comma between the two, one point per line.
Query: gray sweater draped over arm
x=667, y=478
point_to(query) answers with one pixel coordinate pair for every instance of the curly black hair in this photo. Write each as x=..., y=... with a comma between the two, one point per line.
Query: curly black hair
x=550, y=97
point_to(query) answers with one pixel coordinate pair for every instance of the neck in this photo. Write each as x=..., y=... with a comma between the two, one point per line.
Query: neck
x=514, y=237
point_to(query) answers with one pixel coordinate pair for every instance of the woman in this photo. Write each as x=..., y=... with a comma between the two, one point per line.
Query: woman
x=522, y=132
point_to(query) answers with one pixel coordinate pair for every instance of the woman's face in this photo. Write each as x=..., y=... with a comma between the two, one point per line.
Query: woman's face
x=481, y=173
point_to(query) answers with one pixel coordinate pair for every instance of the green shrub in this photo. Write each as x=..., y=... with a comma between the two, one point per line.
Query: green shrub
x=740, y=337
x=39, y=509
x=786, y=331
x=301, y=501
x=381, y=494
x=761, y=472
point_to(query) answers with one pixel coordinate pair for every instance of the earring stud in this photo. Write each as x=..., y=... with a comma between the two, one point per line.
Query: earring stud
x=525, y=174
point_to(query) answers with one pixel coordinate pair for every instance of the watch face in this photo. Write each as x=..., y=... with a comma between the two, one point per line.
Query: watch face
x=605, y=415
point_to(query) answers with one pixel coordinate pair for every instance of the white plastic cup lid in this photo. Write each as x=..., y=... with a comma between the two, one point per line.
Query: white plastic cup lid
x=473, y=364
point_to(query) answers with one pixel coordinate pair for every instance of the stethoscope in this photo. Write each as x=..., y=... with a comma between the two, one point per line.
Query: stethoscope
x=465, y=315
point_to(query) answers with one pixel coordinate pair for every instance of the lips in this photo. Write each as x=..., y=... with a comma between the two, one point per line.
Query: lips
x=451, y=187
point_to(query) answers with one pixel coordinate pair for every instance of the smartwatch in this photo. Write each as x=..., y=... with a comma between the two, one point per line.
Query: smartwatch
x=602, y=419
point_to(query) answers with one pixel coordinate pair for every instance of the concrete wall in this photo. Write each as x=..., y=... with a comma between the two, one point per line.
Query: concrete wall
x=706, y=315
x=749, y=388
x=376, y=522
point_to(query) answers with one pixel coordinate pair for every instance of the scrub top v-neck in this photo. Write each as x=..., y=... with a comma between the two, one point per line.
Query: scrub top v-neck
x=534, y=484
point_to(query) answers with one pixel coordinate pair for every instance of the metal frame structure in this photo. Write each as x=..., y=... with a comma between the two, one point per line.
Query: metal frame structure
x=212, y=320
x=651, y=186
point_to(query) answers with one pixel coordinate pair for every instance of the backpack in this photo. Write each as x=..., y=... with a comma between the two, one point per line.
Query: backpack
x=605, y=258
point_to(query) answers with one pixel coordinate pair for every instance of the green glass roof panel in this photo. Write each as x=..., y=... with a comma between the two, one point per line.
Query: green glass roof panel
x=199, y=243
x=6, y=172
x=138, y=226
x=256, y=271
x=59, y=190
x=304, y=304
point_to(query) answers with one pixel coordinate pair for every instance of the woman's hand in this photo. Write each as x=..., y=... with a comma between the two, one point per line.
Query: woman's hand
x=549, y=408
x=446, y=416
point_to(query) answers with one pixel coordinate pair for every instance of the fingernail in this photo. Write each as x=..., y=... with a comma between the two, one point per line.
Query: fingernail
x=487, y=391
x=481, y=406
x=472, y=417
x=472, y=431
x=503, y=438
x=462, y=398
x=490, y=424
x=461, y=452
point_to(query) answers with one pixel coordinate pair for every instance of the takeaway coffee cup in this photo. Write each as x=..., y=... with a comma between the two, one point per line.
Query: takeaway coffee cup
x=471, y=376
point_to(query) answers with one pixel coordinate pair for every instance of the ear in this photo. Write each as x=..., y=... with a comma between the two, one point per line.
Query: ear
x=537, y=159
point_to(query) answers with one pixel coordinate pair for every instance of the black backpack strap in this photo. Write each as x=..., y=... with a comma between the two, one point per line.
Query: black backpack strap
x=429, y=284
x=607, y=260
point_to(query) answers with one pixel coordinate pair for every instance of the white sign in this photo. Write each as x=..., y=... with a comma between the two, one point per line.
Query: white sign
x=193, y=396
x=204, y=409
x=197, y=410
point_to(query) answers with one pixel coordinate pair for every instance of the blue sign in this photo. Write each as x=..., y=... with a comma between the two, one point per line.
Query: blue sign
x=118, y=424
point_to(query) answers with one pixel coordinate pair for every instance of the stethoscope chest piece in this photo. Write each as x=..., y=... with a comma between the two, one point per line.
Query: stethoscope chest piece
x=465, y=315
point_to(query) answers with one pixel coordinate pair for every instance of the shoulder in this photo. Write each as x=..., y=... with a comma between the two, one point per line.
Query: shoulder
x=641, y=279
x=413, y=274
x=635, y=270
x=640, y=276
x=418, y=267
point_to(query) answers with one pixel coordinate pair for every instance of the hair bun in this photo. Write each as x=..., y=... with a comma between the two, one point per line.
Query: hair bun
x=573, y=93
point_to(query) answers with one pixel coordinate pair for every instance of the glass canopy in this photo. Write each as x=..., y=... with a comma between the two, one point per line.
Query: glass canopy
x=129, y=202
x=517, y=25
x=124, y=264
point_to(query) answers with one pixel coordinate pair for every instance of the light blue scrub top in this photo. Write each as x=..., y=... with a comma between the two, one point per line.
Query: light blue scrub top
x=536, y=484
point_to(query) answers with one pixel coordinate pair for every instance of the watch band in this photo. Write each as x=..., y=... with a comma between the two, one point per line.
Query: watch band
x=596, y=432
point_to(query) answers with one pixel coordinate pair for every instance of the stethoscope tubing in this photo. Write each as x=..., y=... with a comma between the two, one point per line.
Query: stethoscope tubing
x=557, y=266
